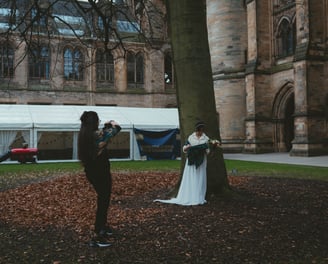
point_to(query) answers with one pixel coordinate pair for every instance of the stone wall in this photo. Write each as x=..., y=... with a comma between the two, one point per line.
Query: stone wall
x=228, y=44
x=57, y=90
x=267, y=102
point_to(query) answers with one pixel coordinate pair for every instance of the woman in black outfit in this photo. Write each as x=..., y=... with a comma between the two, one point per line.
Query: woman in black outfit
x=93, y=153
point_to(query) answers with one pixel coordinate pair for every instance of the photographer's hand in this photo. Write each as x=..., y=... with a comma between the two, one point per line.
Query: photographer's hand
x=113, y=123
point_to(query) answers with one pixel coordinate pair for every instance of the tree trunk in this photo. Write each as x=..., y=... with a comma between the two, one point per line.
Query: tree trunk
x=194, y=81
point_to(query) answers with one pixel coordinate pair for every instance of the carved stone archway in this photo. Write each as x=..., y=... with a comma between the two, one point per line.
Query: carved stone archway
x=283, y=120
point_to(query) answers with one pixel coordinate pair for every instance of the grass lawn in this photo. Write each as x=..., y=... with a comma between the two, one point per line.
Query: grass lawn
x=12, y=175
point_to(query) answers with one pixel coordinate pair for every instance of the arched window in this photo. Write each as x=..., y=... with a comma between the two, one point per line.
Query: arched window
x=131, y=61
x=286, y=38
x=104, y=66
x=73, y=64
x=39, y=63
x=6, y=61
x=168, y=69
x=135, y=68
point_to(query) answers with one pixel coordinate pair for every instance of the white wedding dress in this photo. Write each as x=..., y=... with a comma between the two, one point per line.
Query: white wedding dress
x=192, y=189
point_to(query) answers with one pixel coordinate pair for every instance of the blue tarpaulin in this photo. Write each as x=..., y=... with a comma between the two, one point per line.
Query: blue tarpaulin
x=157, y=145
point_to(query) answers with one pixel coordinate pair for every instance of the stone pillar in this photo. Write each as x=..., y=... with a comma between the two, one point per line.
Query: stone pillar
x=258, y=122
x=90, y=76
x=227, y=32
x=21, y=66
x=120, y=72
x=311, y=80
x=57, y=66
x=154, y=71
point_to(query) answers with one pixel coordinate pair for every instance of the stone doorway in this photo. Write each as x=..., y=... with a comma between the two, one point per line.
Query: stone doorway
x=289, y=123
x=283, y=119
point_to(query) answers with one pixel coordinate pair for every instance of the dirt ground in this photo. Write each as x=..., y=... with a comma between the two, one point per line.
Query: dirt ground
x=266, y=220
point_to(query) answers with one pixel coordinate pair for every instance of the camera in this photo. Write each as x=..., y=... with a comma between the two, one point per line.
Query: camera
x=108, y=125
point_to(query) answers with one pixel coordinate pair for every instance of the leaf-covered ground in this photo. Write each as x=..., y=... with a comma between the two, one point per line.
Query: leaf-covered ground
x=265, y=221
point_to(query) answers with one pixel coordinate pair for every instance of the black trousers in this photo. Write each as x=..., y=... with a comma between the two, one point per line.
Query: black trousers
x=99, y=175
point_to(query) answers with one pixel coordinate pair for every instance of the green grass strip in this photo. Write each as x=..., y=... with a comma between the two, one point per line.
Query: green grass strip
x=12, y=175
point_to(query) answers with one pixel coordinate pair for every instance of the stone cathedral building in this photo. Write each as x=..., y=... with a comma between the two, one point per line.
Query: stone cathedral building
x=270, y=70
x=52, y=52
x=269, y=62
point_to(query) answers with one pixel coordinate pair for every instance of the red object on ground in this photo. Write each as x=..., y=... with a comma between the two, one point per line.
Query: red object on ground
x=32, y=151
x=24, y=154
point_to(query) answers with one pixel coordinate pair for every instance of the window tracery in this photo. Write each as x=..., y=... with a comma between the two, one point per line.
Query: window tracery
x=39, y=63
x=104, y=66
x=135, y=68
x=285, y=39
x=73, y=64
x=6, y=61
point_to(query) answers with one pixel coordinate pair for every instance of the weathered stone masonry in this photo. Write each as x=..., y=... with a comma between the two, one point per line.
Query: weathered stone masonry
x=271, y=82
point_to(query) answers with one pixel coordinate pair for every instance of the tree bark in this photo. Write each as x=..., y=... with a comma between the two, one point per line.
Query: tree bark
x=194, y=81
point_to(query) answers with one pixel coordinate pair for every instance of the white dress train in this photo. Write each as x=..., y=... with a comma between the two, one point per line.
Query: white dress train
x=192, y=189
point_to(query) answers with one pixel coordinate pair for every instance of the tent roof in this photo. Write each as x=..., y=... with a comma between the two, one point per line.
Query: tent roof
x=15, y=117
x=67, y=117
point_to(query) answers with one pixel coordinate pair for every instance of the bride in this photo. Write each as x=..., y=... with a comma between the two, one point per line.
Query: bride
x=192, y=189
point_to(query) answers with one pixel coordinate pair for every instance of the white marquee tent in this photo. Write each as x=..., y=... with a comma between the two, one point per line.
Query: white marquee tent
x=33, y=120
